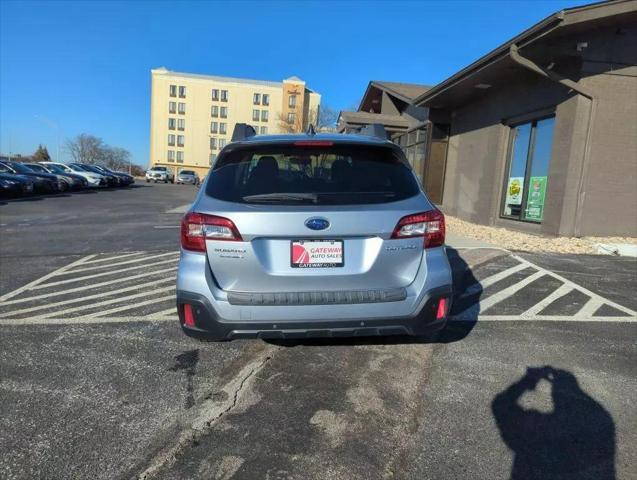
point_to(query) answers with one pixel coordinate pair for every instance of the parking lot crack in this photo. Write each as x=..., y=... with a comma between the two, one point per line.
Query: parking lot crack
x=207, y=414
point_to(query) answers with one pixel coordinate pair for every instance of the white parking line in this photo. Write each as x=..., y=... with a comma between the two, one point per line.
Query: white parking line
x=541, y=305
x=480, y=285
x=110, y=302
x=116, y=257
x=89, y=287
x=32, y=284
x=586, y=291
x=126, y=262
x=88, y=277
x=168, y=311
x=496, y=298
x=104, y=313
x=160, y=227
x=91, y=297
x=82, y=320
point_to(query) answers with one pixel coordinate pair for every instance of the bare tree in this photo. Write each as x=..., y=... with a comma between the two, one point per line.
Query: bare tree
x=85, y=148
x=327, y=118
x=295, y=126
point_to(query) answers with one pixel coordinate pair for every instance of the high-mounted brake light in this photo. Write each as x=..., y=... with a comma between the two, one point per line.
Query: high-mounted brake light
x=313, y=143
x=196, y=228
x=430, y=225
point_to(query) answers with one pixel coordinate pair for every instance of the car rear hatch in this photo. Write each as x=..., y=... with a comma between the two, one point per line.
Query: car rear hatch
x=315, y=217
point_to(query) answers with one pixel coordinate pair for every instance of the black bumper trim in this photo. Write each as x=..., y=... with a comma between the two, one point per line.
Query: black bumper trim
x=209, y=326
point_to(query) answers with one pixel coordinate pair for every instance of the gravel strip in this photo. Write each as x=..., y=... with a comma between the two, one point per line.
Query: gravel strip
x=512, y=240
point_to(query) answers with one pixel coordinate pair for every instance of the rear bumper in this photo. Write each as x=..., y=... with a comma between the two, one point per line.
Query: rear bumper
x=209, y=325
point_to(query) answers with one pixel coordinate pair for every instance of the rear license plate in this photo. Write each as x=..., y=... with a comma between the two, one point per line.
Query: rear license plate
x=316, y=253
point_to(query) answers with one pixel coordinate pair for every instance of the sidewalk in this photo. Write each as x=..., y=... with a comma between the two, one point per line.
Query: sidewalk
x=455, y=241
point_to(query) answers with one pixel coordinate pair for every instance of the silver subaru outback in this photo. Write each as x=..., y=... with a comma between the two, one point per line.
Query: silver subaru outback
x=312, y=236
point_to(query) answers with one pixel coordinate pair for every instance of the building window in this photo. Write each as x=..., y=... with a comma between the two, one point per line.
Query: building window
x=292, y=101
x=173, y=90
x=182, y=92
x=527, y=170
x=215, y=94
x=264, y=115
x=255, y=115
x=213, y=127
x=256, y=98
x=171, y=124
x=224, y=112
x=213, y=143
x=266, y=99
x=214, y=111
x=171, y=155
x=171, y=139
x=213, y=157
x=291, y=117
x=223, y=128
x=180, y=157
x=180, y=140
x=182, y=108
x=264, y=131
x=222, y=143
x=172, y=107
x=224, y=95
x=181, y=124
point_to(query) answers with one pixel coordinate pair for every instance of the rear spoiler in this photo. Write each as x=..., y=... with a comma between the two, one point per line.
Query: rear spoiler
x=242, y=131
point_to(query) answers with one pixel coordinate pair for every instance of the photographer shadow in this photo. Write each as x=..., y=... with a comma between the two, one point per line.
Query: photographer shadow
x=574, y=440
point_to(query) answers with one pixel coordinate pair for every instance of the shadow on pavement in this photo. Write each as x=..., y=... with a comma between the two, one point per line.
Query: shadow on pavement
x=574, y=440
x=466, y=295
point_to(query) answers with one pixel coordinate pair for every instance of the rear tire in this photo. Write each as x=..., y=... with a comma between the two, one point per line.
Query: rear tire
x=147, y=181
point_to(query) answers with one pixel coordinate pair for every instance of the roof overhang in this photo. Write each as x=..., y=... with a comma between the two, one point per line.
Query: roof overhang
x=497, y=68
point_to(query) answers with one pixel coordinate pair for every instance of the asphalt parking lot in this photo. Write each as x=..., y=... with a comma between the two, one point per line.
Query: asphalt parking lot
x=534, y=378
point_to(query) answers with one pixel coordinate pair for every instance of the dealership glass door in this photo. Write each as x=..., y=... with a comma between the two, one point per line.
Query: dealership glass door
x=528, y=170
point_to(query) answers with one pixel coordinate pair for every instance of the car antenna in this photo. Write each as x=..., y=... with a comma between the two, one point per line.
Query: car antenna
x=310, y=130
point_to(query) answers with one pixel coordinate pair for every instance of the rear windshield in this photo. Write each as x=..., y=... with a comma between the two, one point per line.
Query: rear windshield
x=159, y=169
x=334, y=175
x=186, y=172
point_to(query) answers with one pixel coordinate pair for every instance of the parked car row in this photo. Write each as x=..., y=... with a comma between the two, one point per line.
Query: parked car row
x=17, y=179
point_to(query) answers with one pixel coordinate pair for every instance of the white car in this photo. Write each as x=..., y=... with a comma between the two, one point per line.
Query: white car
x=94, y=179
x=160, y=174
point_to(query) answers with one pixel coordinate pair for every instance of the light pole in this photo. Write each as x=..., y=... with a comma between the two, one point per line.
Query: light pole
x=54, y=125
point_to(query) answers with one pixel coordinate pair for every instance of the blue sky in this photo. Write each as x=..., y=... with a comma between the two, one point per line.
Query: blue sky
x=85, y=66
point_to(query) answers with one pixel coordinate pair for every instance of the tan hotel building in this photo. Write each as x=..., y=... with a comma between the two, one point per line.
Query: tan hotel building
x=193, y=116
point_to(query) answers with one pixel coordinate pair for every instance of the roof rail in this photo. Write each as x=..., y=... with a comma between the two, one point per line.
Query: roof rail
x=374, y=130
x=242, y=131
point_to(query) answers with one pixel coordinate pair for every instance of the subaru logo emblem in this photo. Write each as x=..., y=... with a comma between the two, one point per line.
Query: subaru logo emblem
x=317, y=223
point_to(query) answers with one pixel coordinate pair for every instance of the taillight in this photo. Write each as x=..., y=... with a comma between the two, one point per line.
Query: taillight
x=196, y=228
x=430, y=225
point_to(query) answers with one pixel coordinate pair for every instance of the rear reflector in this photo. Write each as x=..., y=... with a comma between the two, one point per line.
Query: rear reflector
x=196, y=228
x=441, y=312
x=430, y=225
x=189, y=319
x=313, y=143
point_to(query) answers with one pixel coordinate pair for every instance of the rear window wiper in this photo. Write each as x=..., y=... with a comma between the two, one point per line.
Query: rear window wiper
x=282, y=197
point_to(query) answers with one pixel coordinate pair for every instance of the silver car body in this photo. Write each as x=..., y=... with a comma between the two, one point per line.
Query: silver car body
x=188, y=176
x=249, y=288
x=94, y=180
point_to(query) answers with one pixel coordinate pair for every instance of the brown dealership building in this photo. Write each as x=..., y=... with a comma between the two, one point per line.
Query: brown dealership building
x=538, y=135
